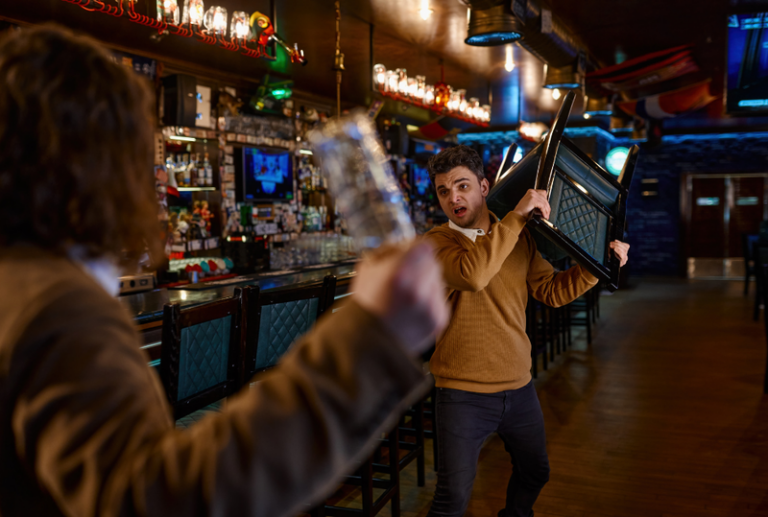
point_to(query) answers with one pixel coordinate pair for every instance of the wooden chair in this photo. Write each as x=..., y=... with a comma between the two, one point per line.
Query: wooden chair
x=276, y=319
x=588, y=204
x=412, y=425
x=200, y=357
x=365, y=479
x=535, y=328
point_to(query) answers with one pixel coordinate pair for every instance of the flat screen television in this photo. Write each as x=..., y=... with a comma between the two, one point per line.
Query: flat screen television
x=420, y=182
x=747, y=67
x=267, y=174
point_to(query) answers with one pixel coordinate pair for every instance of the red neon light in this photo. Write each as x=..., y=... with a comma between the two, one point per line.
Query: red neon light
x=187, y=31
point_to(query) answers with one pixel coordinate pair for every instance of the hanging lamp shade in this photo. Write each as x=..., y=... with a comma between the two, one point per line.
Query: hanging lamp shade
x=563, y=78
x=598, y=106
x=493, y=26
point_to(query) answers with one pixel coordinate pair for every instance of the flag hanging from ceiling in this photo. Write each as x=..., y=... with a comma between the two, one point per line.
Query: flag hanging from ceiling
x=645, y=70
x=670, y=104
x=435, y=130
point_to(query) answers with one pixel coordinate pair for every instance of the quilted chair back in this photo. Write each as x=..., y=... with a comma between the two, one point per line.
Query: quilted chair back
x=200, y=357
x=588, y=205
x=277, y=319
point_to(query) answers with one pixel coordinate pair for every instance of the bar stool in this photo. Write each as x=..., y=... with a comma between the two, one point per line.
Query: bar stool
x=200, y=355
x=584, y=304
x=364, y=478
x=276, y=319
x=535, y=328
x=411, y=424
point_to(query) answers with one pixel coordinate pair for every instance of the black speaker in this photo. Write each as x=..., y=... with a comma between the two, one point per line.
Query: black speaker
x=179, y=100
x=395, y=139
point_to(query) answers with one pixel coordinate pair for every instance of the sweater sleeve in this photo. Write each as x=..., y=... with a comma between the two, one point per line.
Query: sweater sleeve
x=92, y=426
x=471, y=268
x=555, y=289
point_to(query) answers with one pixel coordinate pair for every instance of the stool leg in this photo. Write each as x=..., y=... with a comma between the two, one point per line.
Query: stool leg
x=366, y=486
x=418, y=423
x=394, y=469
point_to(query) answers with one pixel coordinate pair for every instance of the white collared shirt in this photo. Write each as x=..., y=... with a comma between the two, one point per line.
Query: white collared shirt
x=103, y=270
x=470, y=233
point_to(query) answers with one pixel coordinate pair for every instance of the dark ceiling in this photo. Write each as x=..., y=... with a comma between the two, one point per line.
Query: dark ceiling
x=401, y=39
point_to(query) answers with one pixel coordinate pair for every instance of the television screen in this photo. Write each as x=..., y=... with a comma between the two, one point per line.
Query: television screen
x=420, y=180
x=747, y=79
x=268, y=174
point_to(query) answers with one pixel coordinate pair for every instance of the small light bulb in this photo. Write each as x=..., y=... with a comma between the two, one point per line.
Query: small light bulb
x=556, y=94
x=587, y=116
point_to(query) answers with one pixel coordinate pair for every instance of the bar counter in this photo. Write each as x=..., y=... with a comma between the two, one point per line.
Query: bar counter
x=147, y=308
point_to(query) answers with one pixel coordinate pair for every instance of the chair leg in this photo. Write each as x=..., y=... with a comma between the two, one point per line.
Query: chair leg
x=418, y=423
x=552, y=337
x=366, y=486
x=394, y=469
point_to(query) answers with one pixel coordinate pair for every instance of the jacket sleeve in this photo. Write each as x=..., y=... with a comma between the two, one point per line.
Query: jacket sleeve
x=555, y=289
x=92, y=425
x=470, y=269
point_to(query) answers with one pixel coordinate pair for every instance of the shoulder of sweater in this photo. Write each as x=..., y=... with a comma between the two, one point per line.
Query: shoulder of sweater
x=442, y=232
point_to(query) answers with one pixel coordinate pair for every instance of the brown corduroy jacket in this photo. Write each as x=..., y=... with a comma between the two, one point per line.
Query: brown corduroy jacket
x=85, y=429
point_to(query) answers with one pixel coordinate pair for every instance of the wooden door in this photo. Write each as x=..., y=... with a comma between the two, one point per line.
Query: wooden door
x=707, y=231
x=747, y=209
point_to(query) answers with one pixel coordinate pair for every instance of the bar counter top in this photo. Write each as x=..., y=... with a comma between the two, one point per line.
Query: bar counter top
x=147, y=307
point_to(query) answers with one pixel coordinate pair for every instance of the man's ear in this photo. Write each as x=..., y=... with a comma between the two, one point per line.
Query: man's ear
x=485, y=187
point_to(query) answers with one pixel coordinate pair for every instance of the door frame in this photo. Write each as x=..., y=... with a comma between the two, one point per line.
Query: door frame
x=686, y=205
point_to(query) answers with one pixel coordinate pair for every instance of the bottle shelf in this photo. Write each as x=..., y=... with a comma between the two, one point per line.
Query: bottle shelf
x=196, y=189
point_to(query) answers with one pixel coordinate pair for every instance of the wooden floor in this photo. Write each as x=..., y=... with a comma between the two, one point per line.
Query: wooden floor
x=663, y=416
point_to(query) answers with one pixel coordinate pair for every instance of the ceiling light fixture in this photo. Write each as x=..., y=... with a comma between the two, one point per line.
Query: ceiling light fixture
x=494, y=25
x=510, y=63
x=425, y=12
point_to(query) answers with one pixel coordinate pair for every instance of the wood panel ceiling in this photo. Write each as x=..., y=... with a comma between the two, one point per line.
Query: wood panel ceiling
x=401, y=39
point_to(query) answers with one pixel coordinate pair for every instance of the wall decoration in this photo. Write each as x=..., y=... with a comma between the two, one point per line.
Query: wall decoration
x=209, y=27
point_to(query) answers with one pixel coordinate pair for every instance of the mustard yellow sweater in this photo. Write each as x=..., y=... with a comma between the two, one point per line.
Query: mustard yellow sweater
x=485, y=348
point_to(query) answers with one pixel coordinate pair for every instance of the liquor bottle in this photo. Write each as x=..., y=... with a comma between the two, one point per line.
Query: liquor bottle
x=208, y=171
x=187, y=172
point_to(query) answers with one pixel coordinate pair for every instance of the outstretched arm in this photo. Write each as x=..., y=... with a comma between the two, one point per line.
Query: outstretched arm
x=91, y=425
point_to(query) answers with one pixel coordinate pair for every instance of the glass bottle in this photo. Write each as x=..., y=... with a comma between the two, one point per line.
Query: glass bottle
x=361, y=180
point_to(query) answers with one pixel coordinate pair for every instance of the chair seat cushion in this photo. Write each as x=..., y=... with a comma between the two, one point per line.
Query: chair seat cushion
x=193, y=418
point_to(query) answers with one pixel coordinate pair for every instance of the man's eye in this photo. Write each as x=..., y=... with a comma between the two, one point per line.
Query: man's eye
x=463, y=186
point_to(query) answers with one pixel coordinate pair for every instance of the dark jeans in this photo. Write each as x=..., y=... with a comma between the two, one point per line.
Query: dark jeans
x=464, y=421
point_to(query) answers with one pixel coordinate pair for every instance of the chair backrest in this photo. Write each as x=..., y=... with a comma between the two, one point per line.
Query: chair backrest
x=201, y=353
x=588, y=204
x=276, y=319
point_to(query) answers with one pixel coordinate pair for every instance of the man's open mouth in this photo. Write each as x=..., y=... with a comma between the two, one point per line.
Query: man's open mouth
x=459, y=211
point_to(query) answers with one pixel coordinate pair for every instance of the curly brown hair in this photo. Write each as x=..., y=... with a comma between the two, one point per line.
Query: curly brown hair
x=458, y=156
x=75, y=147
